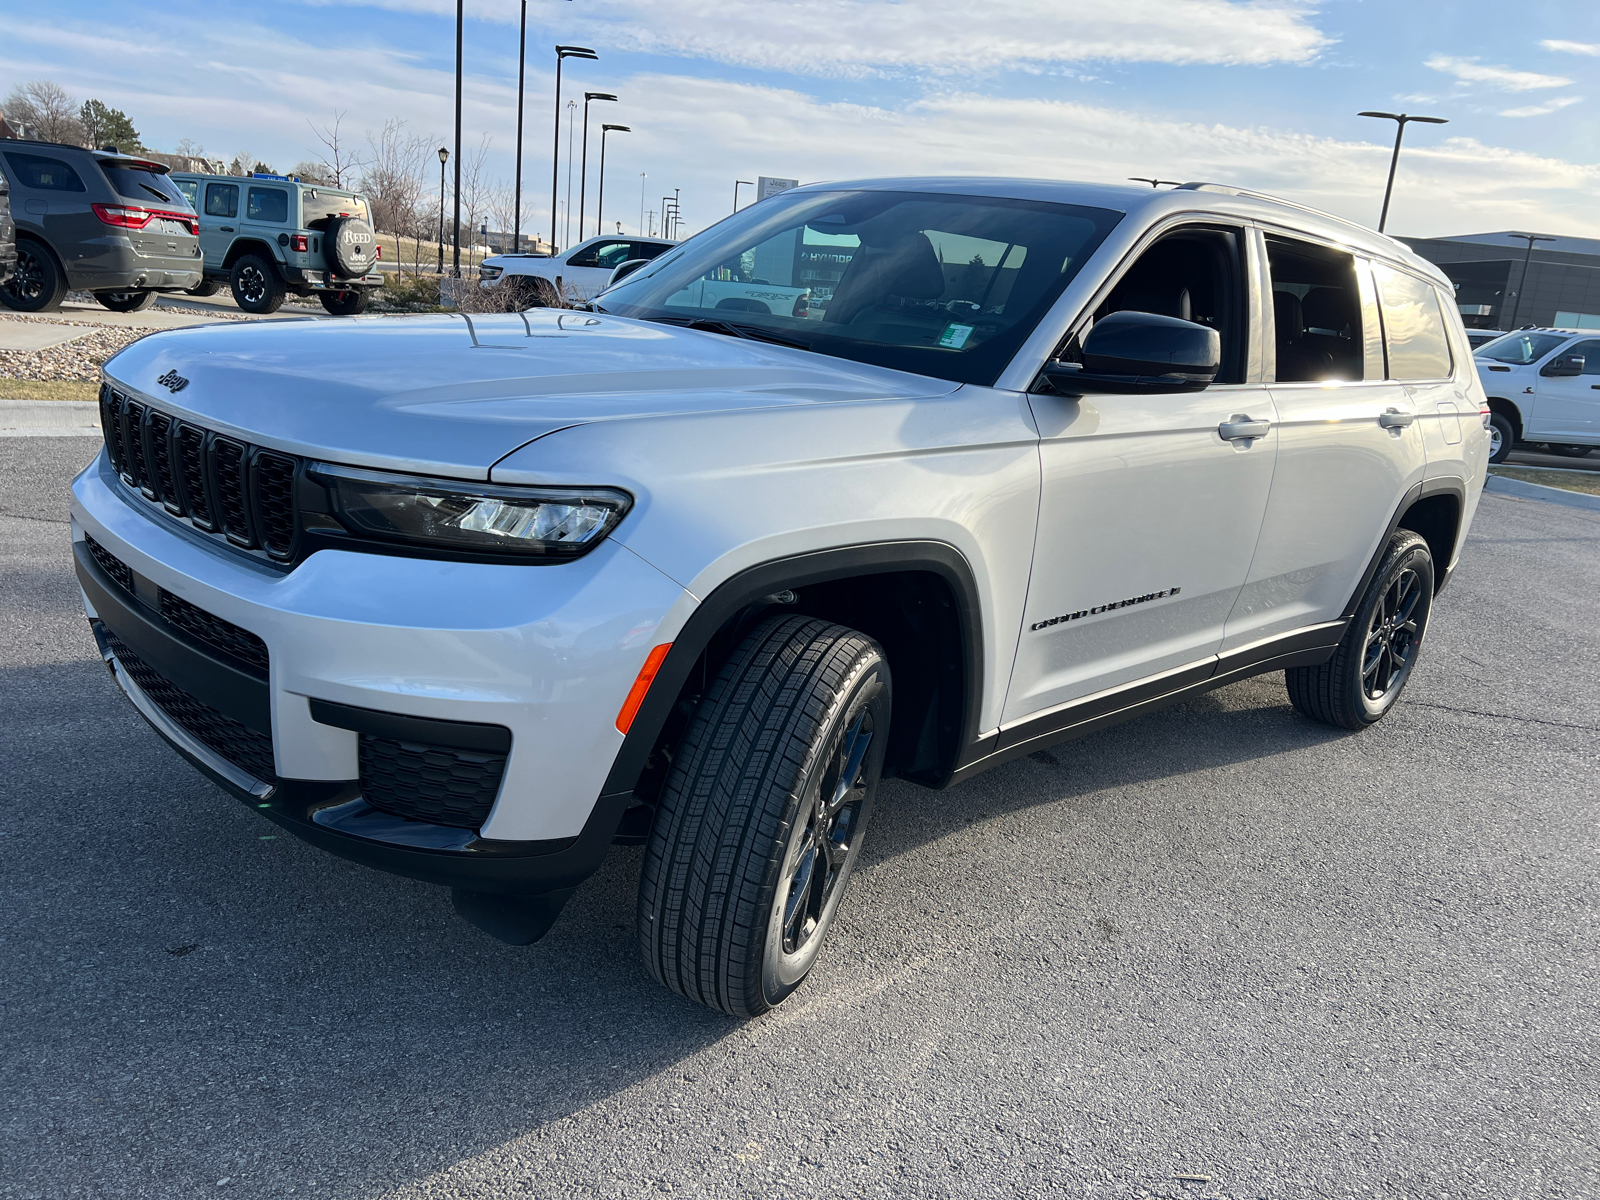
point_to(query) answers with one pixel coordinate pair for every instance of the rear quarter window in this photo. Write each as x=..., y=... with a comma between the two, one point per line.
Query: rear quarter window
x=45, y=174
x=1413, y=326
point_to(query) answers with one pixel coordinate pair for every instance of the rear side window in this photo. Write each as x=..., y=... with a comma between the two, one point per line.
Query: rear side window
x=1413, y=326
x=648, y=250
x=46, y=174
x=143, y=187
x=222, y=199
x=1316, y=312
x=267, y=204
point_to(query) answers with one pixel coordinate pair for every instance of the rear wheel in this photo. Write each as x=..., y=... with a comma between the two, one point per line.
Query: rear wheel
x=1502, y=437
x=206, y=287
x=761, y=819
x=1362, y=681
x=39, y=284
x=1571, y=451
x=256, y=285
x=345, y=304
x=136, y=301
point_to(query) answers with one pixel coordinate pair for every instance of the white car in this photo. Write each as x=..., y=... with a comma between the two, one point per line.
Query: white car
x=573, y=277
x=467, y=598
x=1543, y=386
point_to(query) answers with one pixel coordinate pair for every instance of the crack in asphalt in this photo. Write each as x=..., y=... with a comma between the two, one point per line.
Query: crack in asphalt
x=1474, y=712
x=41, y=520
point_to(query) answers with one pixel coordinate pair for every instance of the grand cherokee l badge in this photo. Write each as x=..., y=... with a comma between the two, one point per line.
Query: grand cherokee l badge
x=173, y=382
x=1100, y=608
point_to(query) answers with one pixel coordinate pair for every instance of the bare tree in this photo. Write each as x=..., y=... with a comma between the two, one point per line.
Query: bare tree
x=501, y=211
x=475, y=189
x=312, y=172
x=340, y=163
x=47, y=109
x=393, y=179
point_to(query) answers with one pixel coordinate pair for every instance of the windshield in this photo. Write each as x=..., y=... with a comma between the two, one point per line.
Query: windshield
x=144, y=186
x=1520, y=349
x=317, y=206
x=948, y=286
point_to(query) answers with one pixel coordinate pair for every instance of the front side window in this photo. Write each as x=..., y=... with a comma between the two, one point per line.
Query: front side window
x=602, y=254
x=1520, y=349
x=1316, y=312
x=222, y=200
x=269, y=205
x=143, y=186
x=191, y=192
x=942, y=285
x=45, y=174
x=1413, y=326
x=1590, y=353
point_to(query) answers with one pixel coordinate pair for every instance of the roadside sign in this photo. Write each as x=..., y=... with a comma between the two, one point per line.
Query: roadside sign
x=766, y=186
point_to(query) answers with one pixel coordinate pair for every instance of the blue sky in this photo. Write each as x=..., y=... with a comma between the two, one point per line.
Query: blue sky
x=1261, y=93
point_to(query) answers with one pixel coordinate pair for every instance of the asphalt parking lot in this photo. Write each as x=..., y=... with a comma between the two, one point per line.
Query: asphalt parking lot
x=1220, y=951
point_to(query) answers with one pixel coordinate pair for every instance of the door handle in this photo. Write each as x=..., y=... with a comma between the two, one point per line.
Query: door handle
x=1393, y=418
x=225, y=228
x=1594, y=387
x=1243, y=428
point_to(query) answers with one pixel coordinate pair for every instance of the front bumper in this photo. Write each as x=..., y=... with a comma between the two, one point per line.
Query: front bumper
x=545, y=652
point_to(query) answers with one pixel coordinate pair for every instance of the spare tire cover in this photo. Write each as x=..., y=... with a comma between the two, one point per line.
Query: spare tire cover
x=350, y=246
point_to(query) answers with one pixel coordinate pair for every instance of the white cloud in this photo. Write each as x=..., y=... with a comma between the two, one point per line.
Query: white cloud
x=853, y=38
x=1540, y=110
x=1590, y=48
x=1469, y=70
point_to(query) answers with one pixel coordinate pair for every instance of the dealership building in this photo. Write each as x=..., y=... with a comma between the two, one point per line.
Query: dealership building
x=1562, y=287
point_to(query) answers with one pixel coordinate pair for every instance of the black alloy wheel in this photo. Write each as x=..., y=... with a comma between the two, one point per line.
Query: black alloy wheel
x=256, y=285
x=1363, y=679
x=135, y=301
x=38, y=285
x=761, y=819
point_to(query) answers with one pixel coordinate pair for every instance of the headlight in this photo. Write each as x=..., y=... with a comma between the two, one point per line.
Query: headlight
x=481, y=518
x=487, y=272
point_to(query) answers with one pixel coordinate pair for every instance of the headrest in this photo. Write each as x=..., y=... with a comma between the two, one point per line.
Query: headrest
x=1287, y=317
x=907, y=268
x=1326, y=308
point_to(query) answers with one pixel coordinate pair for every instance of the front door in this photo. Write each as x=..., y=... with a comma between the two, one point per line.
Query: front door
x=1150, y=504
x=1568, y=406
x=219, y=222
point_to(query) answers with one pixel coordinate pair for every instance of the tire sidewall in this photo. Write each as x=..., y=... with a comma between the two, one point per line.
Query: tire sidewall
x=51, y=284
x=272, y=289
x=1411, y=556
x=868, y=686
x=1502, y=425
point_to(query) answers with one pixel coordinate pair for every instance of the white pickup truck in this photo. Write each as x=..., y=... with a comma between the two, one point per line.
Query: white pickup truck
x=572, y=277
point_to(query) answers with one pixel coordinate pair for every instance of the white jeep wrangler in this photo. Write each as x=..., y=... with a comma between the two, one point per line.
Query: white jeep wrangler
x=470, y=598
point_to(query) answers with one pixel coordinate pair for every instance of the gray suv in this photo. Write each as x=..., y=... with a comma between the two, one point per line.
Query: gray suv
x=268, y=235
x=97, y=221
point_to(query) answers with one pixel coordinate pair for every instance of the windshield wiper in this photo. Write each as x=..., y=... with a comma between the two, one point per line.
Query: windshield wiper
x=754, y=333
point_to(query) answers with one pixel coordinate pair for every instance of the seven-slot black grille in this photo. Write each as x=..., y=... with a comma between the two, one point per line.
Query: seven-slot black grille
x=426, y=782
x=246, y=748
x=217, y=483
x=191, y=619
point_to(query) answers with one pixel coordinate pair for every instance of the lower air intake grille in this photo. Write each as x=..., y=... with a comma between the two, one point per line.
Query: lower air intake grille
x=431, y=783
x=214, y=631
x=110, y=564
x=246, y=748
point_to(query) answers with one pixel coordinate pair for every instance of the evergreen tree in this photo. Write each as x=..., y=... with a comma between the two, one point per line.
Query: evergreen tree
x=107, y=126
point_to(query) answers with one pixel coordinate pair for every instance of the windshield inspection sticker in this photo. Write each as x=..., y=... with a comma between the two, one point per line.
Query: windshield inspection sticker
x=955, y=336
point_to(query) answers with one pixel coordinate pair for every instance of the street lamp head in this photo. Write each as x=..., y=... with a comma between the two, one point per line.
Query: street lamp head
x=615, y=129
x=444, y=156
x=1403, y=118
x=575, y=52
x=1384, y=115
x=598, y=96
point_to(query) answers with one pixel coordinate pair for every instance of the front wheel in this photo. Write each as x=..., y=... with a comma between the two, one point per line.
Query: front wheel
x=345, y=304
x=1502, y=437
x=136, y=301
x=1362, y=681
x=761, y=819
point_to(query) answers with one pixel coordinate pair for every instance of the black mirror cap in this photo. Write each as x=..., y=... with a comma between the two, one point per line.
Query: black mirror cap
x=1566, y=364
x=1142, y=352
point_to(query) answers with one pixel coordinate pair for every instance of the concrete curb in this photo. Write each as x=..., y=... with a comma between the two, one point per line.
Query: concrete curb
x=1537, y=491
x=49, y=418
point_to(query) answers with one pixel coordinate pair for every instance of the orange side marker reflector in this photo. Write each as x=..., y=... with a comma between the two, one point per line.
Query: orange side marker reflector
x=641, y=687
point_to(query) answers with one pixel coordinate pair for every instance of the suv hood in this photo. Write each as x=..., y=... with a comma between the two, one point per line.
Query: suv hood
x=452, y=394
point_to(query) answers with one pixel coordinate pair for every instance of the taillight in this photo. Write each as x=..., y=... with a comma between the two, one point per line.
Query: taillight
x=379, y=254
x=299, y=243
x=1483, y=412
x=802, y=305
x=131, y=216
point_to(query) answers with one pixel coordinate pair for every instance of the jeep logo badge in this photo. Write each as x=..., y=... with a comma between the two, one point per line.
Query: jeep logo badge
x=173, y=382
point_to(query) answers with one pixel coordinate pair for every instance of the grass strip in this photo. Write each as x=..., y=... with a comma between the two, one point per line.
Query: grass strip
x=49, y=389
x=1571, y=481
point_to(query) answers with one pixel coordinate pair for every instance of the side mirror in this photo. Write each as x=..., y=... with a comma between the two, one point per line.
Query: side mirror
x=1566, y=364
x=1141, y=353
x=623, y=270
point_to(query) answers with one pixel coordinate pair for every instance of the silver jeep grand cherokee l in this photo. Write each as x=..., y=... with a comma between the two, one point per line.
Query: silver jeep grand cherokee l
x=468, y=598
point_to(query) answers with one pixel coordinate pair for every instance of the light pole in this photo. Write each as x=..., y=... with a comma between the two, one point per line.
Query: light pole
x=522, y=57
x=1399, y=120
x=572, y=111
x=1155, y=183
x=642, y=178
x=737, y=184
x=562, y=53
x=444, y=157
x=1522, y=284
x=600, y=201
x=455, y=229
x=583, y=168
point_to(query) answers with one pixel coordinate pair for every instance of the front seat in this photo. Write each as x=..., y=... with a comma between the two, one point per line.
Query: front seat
x=907, y=268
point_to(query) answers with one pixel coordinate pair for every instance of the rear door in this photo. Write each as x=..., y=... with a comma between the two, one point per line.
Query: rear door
x=1568, y=406
x=267, y=213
